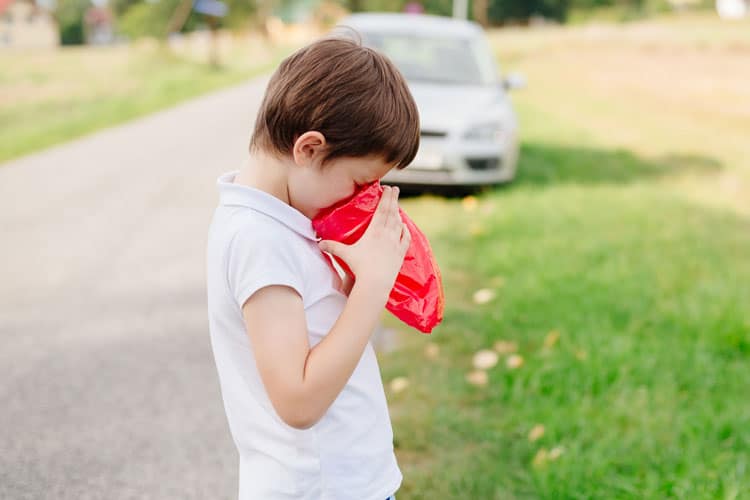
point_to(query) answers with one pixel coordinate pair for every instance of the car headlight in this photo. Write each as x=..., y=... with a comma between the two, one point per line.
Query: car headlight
x=489, y=132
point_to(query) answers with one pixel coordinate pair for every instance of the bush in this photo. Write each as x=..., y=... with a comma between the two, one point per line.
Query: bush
x=501, y=11
x=147, y=19
x=69, y=16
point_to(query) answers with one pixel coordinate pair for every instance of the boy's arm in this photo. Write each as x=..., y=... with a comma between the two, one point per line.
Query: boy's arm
x=348, y=284
x=275, y=322
x=302, y=383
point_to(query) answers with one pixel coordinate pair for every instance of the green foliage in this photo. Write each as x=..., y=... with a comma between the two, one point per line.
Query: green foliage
x=139, y=18
x=240, y=13
x=378, y=5
x=439, y=7
x=623, y=10
x=587, y=4
x=120, y=6
x=69, y=16
x=150, y=19
x=504, y=11
x=435, y=7
x=516, y=10
x=499, y=10
x=147, y=19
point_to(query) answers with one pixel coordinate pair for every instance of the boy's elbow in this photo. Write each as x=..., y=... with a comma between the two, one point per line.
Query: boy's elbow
x=300, y=422
x=297, y=415
x=301, y=425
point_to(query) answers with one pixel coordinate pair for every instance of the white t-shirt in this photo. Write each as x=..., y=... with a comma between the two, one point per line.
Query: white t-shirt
x=256, y=240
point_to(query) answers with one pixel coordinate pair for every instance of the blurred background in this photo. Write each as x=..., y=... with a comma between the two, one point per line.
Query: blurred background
x=584, y=182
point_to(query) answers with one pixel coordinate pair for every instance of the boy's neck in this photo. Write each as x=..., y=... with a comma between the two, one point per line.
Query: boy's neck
x=266, y=173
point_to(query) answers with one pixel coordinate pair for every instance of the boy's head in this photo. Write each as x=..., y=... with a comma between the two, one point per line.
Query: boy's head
x=340, y=115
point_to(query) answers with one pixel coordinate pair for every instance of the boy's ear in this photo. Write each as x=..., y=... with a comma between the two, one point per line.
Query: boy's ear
x=309, y=148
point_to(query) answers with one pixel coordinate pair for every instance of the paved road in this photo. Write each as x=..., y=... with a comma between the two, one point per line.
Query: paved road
x=107, y=380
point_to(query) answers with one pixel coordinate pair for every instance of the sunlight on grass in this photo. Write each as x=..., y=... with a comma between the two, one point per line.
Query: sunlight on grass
x=50, y=97
x=672, y=92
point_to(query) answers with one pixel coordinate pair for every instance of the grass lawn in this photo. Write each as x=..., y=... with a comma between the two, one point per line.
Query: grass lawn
x=620, y=263
x=49, y=97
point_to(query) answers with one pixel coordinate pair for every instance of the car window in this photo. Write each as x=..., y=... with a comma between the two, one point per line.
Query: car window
x=436, y=60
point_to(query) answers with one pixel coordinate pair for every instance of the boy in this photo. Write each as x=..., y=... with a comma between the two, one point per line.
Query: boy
x=299, y=378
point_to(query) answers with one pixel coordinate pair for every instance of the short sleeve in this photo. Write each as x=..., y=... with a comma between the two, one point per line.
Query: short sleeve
x=256, y=259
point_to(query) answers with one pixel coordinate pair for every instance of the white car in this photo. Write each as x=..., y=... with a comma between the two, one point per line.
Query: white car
x=469, y=131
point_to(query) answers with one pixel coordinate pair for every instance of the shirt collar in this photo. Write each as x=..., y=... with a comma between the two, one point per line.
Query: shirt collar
x=231, y=194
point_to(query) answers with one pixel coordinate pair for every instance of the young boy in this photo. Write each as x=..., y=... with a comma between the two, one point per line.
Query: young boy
x=300, y=381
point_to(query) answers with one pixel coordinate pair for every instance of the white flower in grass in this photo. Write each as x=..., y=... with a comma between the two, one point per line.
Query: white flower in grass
x=555, y=452
x=485, y=359
x=398, y=384
x=484, y=295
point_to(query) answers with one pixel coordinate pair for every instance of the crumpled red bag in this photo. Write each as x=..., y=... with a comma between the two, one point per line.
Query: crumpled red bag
x=417, y=296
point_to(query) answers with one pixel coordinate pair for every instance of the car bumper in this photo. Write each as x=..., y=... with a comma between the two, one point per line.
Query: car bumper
x=440, y=164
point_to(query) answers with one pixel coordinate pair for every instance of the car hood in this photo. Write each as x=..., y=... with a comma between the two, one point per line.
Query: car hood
x=443, y=107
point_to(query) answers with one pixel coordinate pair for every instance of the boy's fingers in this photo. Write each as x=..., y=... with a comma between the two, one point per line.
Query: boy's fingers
x=333, y=247
x=396, y=209
x=405, y=234
x=394, y=218
x=384, y=206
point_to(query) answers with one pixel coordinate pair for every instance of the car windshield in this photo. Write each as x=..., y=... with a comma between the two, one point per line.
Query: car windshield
x=459, y=61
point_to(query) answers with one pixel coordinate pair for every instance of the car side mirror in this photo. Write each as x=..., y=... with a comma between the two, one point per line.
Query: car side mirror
x=514, y=81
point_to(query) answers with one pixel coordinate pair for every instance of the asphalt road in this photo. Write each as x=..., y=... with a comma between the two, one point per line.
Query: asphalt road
x=107, y=380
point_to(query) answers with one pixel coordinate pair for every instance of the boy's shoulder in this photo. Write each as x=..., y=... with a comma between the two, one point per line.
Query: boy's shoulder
x=249, y=246
x=253, y=233
x=243, y=209
x=252, y=229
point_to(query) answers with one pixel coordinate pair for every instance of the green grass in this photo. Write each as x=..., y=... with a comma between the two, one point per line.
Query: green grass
x=652, y=289
x=50, y=97
x=602, y=239
x=630, y=11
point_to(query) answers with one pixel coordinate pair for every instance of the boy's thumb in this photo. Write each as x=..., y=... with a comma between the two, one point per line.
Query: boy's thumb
x=333, y=247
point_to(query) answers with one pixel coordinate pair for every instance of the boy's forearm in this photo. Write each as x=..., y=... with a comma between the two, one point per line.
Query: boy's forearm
x=332, y=361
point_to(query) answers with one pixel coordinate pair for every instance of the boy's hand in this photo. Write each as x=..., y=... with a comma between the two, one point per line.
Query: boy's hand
x=376, y=258
x=347, y=284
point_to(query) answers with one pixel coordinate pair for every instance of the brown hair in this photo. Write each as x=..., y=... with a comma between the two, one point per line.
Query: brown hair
x=353, y=95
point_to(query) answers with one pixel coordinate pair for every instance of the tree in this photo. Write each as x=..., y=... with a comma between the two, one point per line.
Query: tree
x=69, y=16
x=521, y=10
x=480, y=12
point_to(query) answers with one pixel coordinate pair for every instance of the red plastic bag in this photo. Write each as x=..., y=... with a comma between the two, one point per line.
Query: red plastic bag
x=417, y=296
